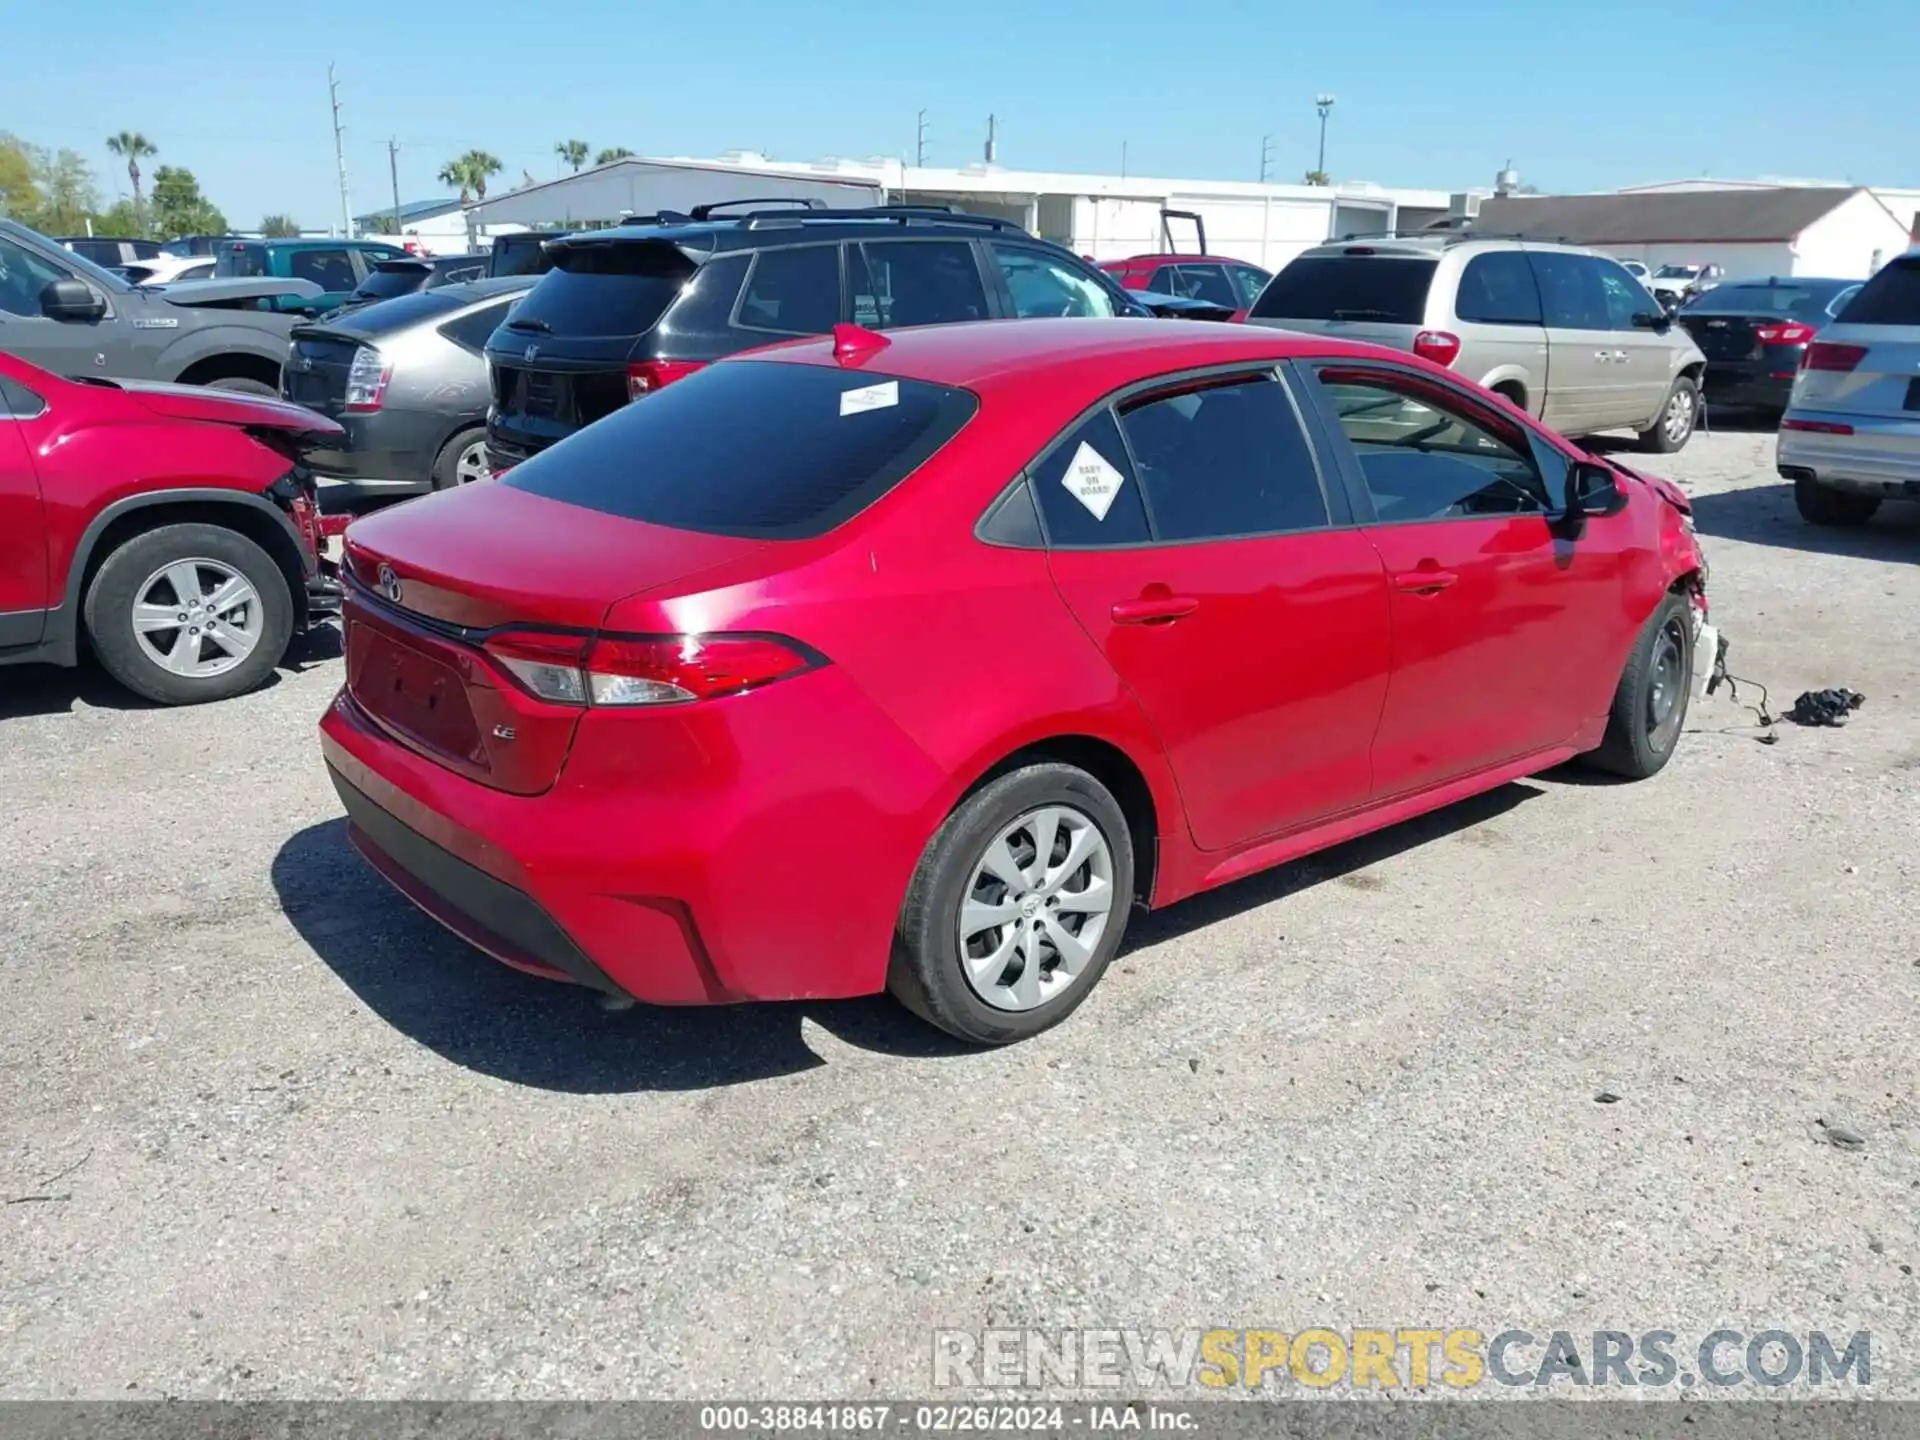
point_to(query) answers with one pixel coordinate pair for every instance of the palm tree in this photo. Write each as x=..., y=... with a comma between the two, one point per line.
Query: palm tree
x=607, y=157
x=134, y=147
x=455, y=176
x=573, y=152
x=480, y=166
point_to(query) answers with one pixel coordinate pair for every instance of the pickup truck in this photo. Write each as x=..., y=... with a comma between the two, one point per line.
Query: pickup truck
x=68, y=315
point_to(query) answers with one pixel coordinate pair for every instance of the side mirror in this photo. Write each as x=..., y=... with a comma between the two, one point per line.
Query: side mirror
x=1647, y=320
x=1593, y=489
x=71, y=300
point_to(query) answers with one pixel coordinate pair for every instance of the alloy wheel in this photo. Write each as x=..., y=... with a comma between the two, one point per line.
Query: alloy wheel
x=197, y=618
x=1678, y=421
x=472, y=464
x=1035, y=909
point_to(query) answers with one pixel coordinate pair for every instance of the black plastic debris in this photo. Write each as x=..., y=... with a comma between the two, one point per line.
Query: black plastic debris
x=1825, y=707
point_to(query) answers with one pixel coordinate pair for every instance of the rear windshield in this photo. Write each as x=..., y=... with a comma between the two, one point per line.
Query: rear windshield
x=516, y=255
x=1890, y=298
x=1789, y=301
x=413, y=308
x=241, y=260
x=1348, y=287
x=602, y=290
x=760, y=449
x=385, y=284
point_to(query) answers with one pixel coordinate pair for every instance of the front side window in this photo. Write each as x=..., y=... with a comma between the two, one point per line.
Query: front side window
x=1571, y=296
x=1208, y=283
x=23, y=275
x=1497, y=289
x=1429, y=455
x=1224, y=458
x=1046, y=286
x=1088, y=491
x=915, y=282
x=1625, y=298
x=795, y=291
x=241, y=261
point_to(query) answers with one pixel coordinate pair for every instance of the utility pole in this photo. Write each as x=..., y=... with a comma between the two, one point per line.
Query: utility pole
x=1324, y=104
x=920, y=142
x=993, y=151
x=340, y=155
x=393, y=170
x=1123, y=159
x=1266, y=156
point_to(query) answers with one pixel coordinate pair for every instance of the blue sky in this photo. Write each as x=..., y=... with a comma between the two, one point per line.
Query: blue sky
x=1580, y=94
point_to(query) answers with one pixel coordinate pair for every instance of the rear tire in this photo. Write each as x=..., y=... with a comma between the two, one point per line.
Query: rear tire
x=1650, y=703
x=130, y=589
x=241, y=385
x=1823, y=505
x=462, y=460
x=995, y=960
x=1678, y=417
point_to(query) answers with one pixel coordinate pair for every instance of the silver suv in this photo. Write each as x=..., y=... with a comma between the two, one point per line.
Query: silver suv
x=1567, y=335
x=1851, y=434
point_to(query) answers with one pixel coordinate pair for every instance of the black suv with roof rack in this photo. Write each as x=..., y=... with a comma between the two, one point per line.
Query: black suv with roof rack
x=626, y=310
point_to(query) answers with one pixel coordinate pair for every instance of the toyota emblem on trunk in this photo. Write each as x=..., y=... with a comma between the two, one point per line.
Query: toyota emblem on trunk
x=389, y=584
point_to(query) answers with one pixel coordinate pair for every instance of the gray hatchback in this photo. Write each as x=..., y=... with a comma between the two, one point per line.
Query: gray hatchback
x=407, y=379
x=1566, y=334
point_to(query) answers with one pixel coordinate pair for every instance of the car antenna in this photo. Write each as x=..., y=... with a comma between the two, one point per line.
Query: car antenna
x=854, y=341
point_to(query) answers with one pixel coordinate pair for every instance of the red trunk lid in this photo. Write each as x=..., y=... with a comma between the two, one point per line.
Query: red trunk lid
x=436, y=575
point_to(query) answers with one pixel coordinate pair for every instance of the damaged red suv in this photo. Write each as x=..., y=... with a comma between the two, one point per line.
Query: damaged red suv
x=917, y=662
x=169, y=529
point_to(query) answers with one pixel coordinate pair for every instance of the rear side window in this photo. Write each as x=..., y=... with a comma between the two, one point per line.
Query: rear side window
x=915, y=282
x=1209, y=283
x=759, y=449
x=1224, y=459
x=331, y=270
x=1248, y=281
x=795, y=291
x=600, y=290
x=1382, y=288
x=241, y=260
x=470, y=332
x=1890, y=298
x=1497, y=289
x=1088, y=492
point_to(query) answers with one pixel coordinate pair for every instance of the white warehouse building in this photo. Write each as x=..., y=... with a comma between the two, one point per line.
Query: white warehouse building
x=1106, y=217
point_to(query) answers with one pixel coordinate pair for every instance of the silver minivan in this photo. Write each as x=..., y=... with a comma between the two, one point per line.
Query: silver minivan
x=1566, y=334
x=1851, y=434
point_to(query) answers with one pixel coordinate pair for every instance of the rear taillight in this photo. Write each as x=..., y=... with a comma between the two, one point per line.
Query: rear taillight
x=549, y=667
x=1439, y=346
x=624, y=671
x=1817, y=427
x=367, y=379
x=1790, y=332
x=646, y=376
x=1824, y=355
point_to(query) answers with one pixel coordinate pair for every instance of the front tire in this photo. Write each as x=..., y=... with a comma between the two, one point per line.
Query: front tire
x=186, y=614
x=1678, y=417
x=1019, y=903
x=1823, y=505
x=1650, y=703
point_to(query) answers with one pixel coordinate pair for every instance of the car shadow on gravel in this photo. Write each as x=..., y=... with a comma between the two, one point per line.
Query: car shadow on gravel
x=1340, y=863
x=1765, y=515
x=53, y=690
x=492, y=1019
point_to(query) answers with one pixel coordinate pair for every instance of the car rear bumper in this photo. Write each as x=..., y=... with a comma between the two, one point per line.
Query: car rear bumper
x=1880, y=457
x=698, y=864
x=1747, y=385
x=384, y=455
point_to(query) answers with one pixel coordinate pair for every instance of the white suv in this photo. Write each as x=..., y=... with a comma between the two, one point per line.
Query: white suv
x=1851, y=434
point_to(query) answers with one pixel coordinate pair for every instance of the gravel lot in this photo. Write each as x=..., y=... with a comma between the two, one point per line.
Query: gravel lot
x=266, y=1131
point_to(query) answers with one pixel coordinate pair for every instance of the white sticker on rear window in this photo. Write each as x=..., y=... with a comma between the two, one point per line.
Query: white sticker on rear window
x=869, y=397
x=1092, y=481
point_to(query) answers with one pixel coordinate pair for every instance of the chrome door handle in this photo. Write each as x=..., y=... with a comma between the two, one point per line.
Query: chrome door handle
x=1601, y=355
x=1620, y=355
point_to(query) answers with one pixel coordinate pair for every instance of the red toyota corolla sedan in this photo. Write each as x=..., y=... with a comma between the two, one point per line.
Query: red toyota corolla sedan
x=916, y=662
